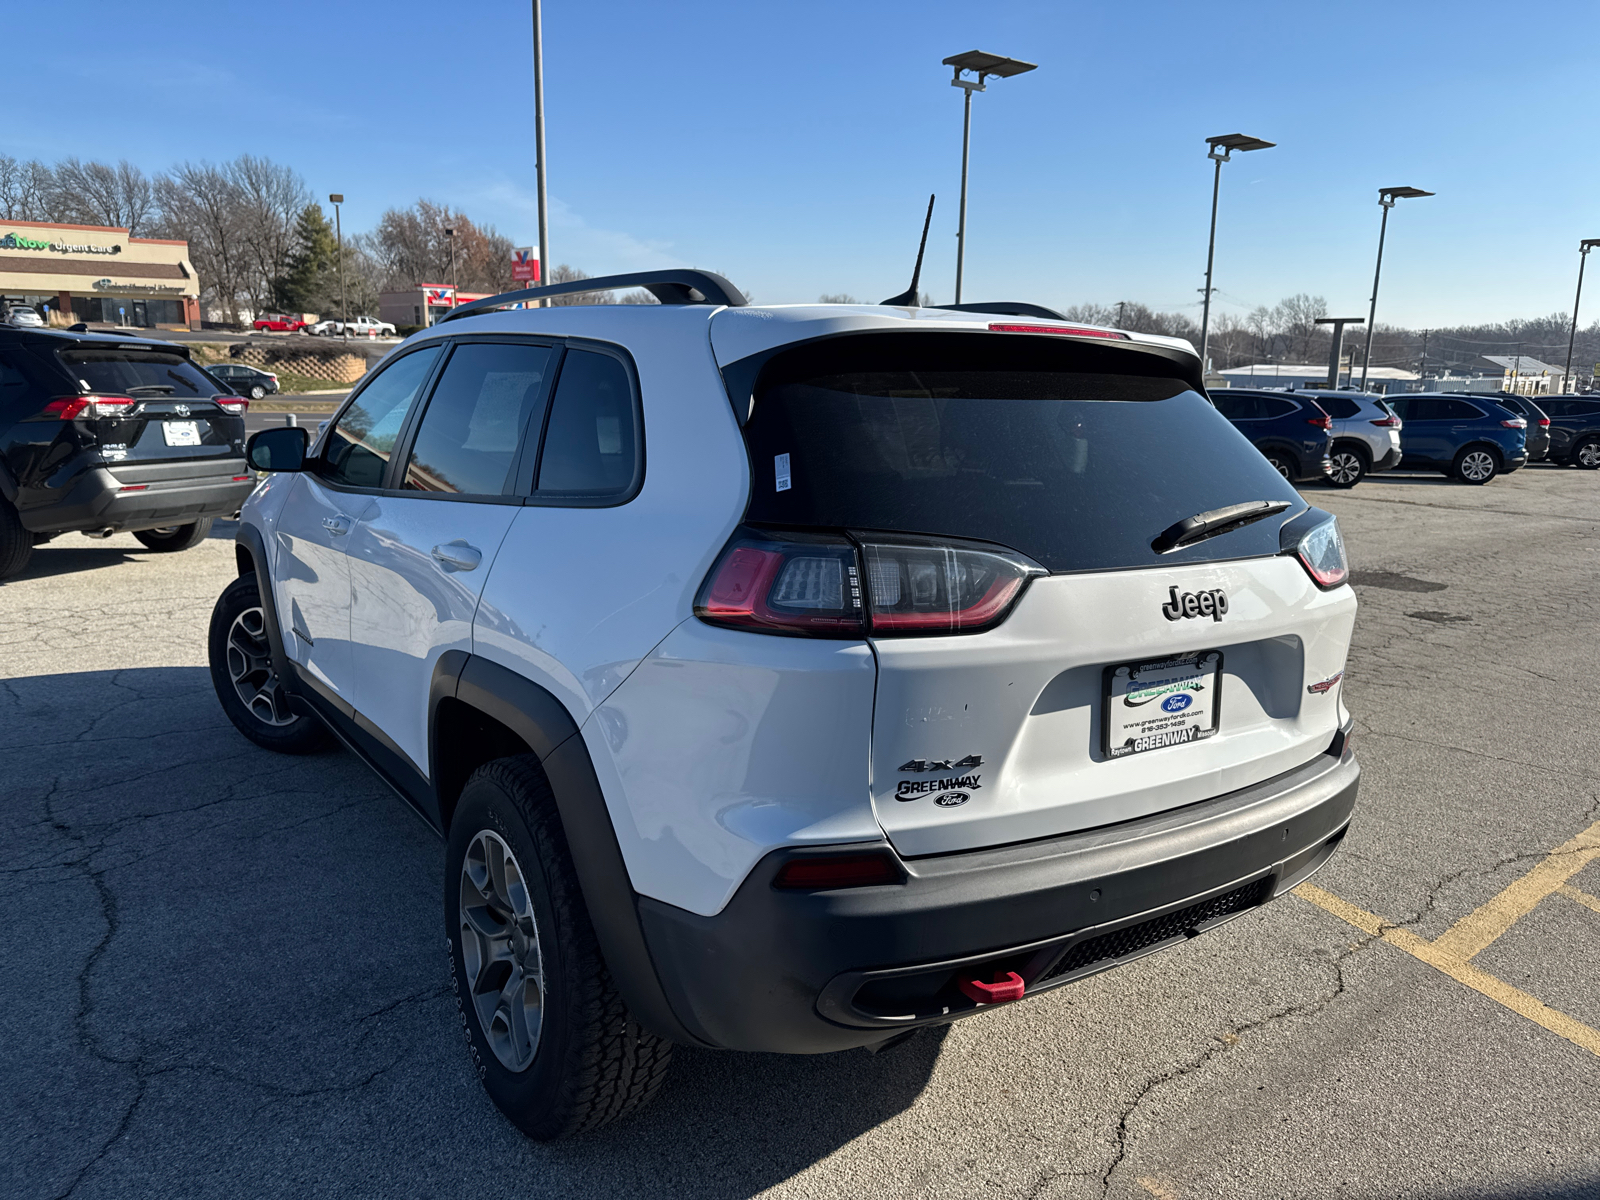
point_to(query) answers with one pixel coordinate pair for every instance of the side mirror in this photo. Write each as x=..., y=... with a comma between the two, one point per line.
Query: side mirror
x=278, y=449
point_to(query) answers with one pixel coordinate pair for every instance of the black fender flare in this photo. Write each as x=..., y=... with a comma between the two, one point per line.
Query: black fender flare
x=537, y=717
x=249, y=540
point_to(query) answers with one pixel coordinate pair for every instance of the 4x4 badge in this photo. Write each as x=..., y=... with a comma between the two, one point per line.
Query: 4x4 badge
x=1196, y=604
x=943, y=764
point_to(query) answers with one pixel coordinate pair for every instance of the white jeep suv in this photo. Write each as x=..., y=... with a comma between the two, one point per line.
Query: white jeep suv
x=790, y=678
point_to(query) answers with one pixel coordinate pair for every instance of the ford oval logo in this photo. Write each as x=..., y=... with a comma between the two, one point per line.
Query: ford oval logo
x=1176, y=703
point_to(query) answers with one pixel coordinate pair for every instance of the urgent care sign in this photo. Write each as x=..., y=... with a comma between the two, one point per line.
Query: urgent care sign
x=525, y=264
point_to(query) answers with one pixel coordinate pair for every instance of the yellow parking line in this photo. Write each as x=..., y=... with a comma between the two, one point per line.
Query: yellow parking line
x=1583, y=898
x=1456, y=968
x=1478, y=929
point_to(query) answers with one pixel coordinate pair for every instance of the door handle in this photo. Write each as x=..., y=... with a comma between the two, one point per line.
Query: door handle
x=457, y=556
x=338, y=526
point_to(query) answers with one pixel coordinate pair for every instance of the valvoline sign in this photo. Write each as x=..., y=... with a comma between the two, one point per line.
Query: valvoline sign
x=525, y=264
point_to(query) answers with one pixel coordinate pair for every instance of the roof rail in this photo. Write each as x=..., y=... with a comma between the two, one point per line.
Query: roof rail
x=669, y=287
x=1009, y=308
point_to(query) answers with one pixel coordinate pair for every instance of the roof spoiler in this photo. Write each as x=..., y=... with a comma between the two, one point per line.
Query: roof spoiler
x=669, y=287
x=1008, y=308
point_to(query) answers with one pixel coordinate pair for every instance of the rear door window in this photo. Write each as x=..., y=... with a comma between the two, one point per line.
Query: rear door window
x=488, y=395
x=1076, y=456
x=1272, y=407
x=1459, y=410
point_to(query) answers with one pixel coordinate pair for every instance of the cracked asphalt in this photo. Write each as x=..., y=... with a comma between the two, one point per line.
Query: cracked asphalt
x=224, y=975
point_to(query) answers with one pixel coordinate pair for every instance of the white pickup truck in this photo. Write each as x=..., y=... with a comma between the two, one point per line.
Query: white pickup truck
x=355, y=326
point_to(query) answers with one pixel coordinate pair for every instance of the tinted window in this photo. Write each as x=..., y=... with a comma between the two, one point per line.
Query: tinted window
x=138, y=373
x=1340, y=408
x=1423, y=408
x=1273, y=407
x=590, y=444
x=1515, y=406
x=15, y=390
x=1077, y=456
x=1241, y=408
x=1582, y=408
x=473, y=424
x=359, y=445
x=1459, y=410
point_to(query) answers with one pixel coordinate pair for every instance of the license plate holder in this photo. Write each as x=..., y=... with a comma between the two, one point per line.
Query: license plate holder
x=1163, y=702
x=181, y=433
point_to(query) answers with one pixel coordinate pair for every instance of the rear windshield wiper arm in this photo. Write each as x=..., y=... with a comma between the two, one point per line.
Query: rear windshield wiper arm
x=1219, y=520
x=161, y=389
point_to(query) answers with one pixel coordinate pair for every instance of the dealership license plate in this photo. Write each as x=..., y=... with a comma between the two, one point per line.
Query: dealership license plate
x=1168, y=702
x=181, y=433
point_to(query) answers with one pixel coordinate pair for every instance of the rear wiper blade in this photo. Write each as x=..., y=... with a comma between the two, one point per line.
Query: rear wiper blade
x=1219, y=520
x=160, y=389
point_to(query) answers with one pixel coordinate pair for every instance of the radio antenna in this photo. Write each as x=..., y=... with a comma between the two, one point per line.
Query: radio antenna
x=909, y=297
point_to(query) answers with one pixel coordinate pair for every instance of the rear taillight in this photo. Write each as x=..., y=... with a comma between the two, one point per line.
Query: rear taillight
x=235, y=406
x=75, y=408
x=1544, y=422
x=1321, y=553
x=1515, y=423
x=1322, y=420
x=818, y=871
x=825, y=585
x=1388, y=423
x=1061, y=330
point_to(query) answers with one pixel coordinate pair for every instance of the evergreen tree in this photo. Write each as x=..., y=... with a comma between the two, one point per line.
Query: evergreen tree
x=312, y=282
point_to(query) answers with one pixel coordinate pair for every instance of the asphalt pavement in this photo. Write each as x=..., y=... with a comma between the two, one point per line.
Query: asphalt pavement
x=225, y=972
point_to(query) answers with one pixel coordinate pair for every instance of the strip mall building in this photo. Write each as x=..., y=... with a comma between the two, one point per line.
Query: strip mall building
x=98, y=274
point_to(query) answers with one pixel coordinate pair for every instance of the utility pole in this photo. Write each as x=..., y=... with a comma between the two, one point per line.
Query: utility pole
x=1583, y=253
x=538, y=152
x=336, y=199
x=1121, y=304
x=1422, y=367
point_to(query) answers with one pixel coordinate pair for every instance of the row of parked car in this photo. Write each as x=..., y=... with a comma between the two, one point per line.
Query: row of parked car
x=1342, y=437
x=332, y=327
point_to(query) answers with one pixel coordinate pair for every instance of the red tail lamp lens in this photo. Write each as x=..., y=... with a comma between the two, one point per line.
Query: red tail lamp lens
x=1544, y=422
x=72, y=408
x=839, y=871
x=1388, y=423
x=1321, y=553
x=1515, y=423
x=804, y=586
x=234, y=405
x=935, y=588
x=1061, y=330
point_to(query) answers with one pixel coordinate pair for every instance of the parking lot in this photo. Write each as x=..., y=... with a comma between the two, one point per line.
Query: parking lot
x=225, y=973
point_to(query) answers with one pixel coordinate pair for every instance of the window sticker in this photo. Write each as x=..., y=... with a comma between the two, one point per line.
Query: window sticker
x=781, y=463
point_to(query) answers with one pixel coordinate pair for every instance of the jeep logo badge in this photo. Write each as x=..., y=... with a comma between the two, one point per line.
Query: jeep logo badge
x=1196, y=604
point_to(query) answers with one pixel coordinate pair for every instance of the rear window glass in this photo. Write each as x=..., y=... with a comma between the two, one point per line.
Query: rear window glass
x=138, y=373
x=1076, y=456
x=1340, y=408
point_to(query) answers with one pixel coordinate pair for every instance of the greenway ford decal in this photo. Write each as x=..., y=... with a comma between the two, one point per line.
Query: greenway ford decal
x=913, y=789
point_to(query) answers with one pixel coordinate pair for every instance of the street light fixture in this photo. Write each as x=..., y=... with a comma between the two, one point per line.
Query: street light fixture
x=1221, y=149
x=1386, y=197
x=1583, y=253
x=336, y=199
x=982, y=65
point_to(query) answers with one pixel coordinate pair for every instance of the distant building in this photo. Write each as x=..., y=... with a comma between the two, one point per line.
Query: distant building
x=422, y=305
x=1300, y=375
x=98, y=274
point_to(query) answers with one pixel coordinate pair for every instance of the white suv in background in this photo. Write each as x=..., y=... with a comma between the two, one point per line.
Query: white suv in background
x=790, y=678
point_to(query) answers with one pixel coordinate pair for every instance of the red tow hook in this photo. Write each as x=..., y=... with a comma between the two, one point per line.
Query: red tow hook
x=1007, y=986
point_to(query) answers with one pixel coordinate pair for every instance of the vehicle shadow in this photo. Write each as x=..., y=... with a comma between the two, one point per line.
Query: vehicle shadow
x=50, y=560
x=258, y=936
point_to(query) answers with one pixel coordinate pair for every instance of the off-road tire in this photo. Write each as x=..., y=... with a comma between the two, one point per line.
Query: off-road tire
x=300, y=731
x=1476, y=465
x=16, y=543
x=1588, y=449
x=1350, y=466
x=592, y=1062
x=176, y=537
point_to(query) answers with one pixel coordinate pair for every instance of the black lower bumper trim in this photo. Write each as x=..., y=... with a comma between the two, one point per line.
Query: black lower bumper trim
x=808, y=972
x=97, y=501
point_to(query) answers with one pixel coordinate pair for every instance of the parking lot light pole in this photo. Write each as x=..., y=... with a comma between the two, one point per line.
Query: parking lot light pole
x=982, y=65
x=1386, y=197
x=1337, y=349
x=1583, y=253
x=344, y=309
x=538, y=148
x=450, y=236
x=1226, y=143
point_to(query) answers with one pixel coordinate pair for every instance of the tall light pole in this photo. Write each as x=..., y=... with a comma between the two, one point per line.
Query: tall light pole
x=1226, y=143
x=1583, y=253
x=538, y=147
x=982, y=65
x=450, y=236
x=336, y=199
x=1386, y=197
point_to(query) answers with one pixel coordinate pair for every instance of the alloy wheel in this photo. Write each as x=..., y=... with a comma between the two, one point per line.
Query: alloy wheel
x=1346, y=467
x=250, y=669
x=1589, y=455
x=1477, y=465
x=1278, y=465
x=500, y=950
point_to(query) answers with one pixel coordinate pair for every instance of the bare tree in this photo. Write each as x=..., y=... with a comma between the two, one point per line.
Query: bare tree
x=1296, y=317
x=26, y=189
x=837, y=298
x=96, y=193
x=203, y=205
x=270, y=199
x=413, y=248
x=566, y=274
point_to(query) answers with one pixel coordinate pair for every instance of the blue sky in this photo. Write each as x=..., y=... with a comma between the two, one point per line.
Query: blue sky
x=793, y=146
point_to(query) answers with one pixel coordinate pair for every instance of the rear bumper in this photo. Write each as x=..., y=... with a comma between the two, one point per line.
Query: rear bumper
x=1389, y=461
x=799, y=972
x=171, y=494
